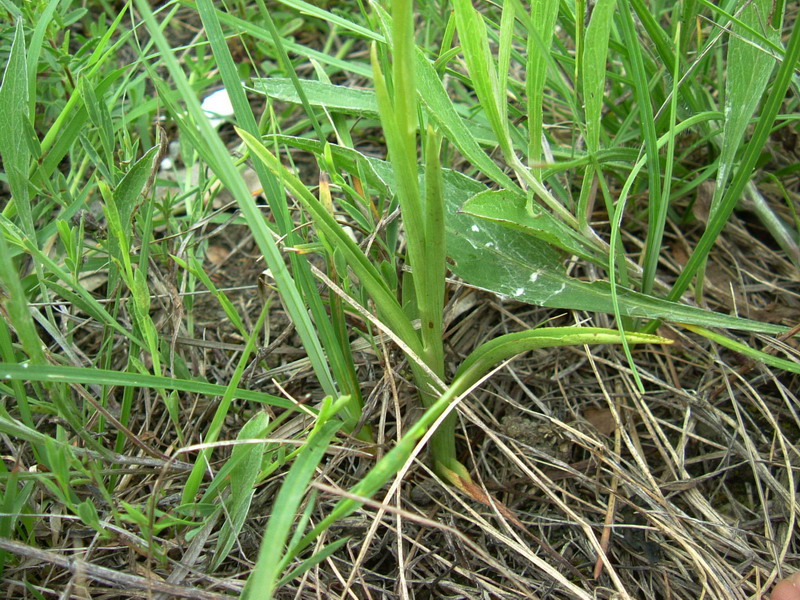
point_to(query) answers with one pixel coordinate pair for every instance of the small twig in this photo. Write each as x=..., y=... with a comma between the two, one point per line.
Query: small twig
x=108, y=576
x=117, y=424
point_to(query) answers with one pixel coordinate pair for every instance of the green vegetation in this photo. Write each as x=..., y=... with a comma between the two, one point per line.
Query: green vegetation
x=195, y=316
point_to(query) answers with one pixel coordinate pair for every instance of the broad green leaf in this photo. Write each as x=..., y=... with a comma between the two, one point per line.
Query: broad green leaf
x=127, y=195
x=749, y=67
x=512, y=210
x=516, y=265
x=247, y=459
x=336, y=98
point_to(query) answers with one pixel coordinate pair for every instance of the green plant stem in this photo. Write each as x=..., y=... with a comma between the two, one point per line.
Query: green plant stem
x=472, y=370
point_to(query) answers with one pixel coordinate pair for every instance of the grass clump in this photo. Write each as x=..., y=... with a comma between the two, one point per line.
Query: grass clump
x=221, y=343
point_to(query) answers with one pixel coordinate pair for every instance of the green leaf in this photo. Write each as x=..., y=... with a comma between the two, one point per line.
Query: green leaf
x=336, y=98
x=311, y=10
x=593, y=70
x=17, y=306
x=118, y=378
x=769, y=359
x=483, y=72
x=13, y=148
x=514, y=264
x=312, y=561
x=267, y=570
x=247, y=459
x=430, y=92
x=540, y=35
x=512, y=210
x=495, y=351
x=433, y=96
x=656, y=205
x=127, y=194
x=88, y=513
x=101, y=119
x=749, y=67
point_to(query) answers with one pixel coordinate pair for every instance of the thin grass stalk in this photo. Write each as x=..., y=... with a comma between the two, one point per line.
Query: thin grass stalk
x=423, y=221
x=657, y=210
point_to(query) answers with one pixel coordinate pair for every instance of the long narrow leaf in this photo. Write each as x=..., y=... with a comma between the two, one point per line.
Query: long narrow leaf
x=93, y=376
x=268, y=565
x=13, y=111
x=748, y=162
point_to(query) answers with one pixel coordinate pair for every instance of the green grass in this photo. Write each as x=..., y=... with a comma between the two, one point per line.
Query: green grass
x=403, y=149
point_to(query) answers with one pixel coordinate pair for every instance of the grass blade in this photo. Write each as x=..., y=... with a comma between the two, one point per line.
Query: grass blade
x=19, y=372
x=242, y=479
x=748, y=162
x=13, y=149
x=657, y=208
x=593, y=70
x=269, y=563
x=541, y=25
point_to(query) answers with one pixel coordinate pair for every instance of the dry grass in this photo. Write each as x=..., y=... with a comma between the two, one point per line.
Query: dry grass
x=687, y=492
x=592, y=490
